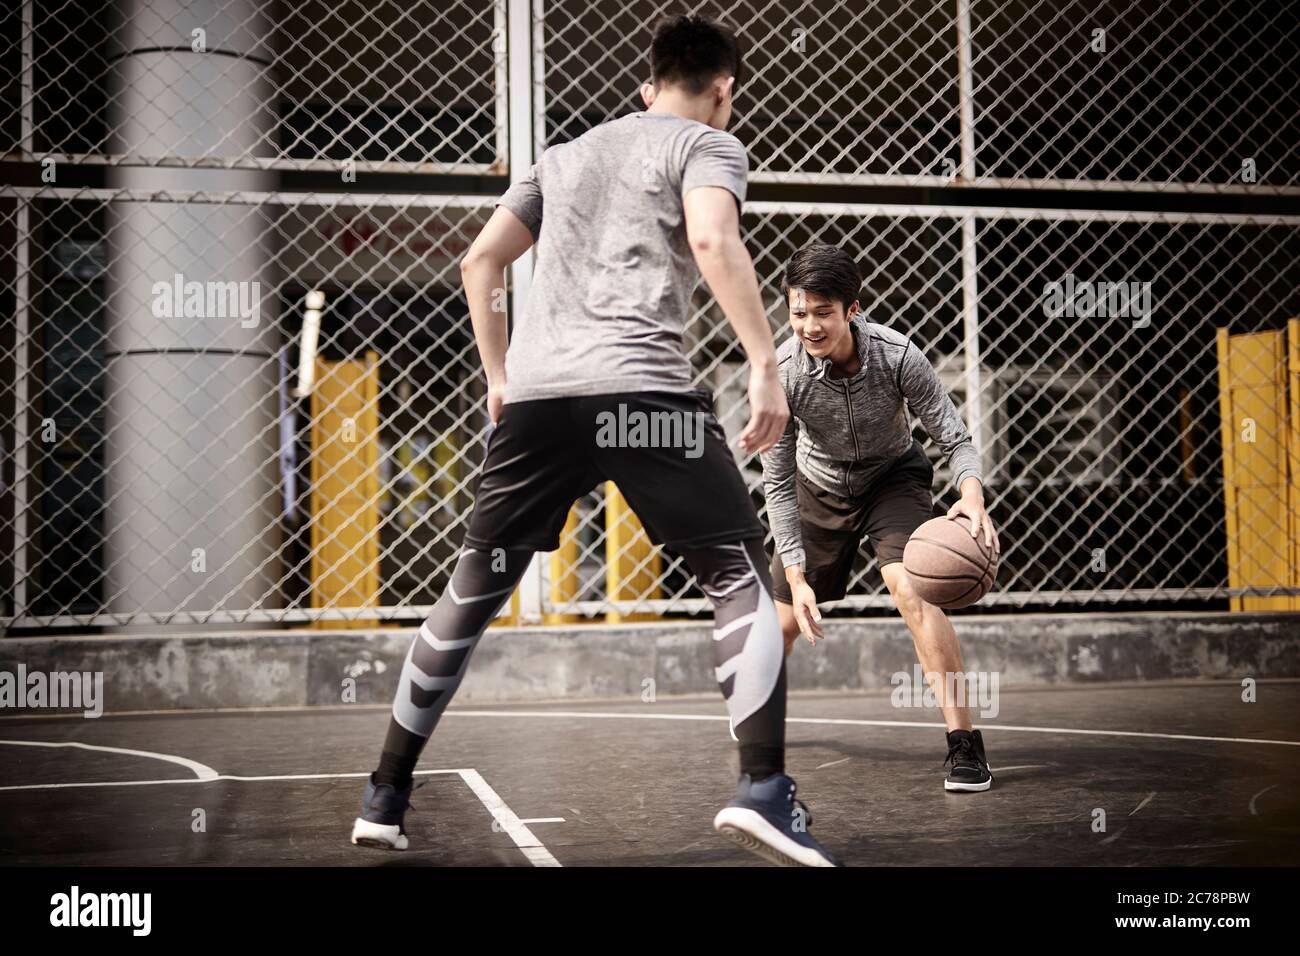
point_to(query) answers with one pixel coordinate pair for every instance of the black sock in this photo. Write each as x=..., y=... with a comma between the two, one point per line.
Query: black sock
x=761, y=761
x=401, y=754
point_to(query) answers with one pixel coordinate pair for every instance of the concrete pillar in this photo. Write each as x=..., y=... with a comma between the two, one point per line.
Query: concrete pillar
x=191, y=456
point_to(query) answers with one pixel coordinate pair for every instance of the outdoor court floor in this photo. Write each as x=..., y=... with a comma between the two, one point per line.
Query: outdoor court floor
x=1186, y=773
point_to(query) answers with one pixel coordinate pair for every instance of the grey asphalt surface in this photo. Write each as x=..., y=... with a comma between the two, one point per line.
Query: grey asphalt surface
x=638, y=783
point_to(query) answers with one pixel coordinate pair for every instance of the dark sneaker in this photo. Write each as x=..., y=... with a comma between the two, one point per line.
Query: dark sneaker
x=383, y=810
x=766, y=819
x=970, y=768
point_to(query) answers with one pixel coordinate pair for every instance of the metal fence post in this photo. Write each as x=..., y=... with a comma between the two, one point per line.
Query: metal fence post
x=533, y=586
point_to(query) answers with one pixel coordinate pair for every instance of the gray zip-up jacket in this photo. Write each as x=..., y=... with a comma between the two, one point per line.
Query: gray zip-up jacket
x=845, y=432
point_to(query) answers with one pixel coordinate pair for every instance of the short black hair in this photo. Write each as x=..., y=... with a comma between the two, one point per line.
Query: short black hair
x=693, y=51
x=825, y=270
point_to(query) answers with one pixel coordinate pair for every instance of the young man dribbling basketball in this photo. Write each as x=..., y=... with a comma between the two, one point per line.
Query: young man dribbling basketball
x=847, y=468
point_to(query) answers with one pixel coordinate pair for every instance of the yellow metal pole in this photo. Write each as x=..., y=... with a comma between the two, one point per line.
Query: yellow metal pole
x=564, y=571
x=345, y=488
x=632, y=563
x=1228, y=432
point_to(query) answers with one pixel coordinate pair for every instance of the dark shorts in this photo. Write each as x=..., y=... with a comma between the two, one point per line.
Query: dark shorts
x=833, y=526
x=543, y=455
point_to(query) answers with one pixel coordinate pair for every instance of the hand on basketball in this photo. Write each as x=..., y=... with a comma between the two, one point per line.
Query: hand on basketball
x=973, y=509
x=806, y=613
x=768, y=412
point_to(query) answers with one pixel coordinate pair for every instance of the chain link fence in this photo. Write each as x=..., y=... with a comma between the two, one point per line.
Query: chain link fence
x=164, y=462
x=384, y=86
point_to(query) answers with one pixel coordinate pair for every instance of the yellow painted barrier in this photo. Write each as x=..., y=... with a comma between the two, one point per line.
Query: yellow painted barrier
x=1256, y=434
x=345, y=488
x=564, y=570
x=1293, y=448
x=632, y=563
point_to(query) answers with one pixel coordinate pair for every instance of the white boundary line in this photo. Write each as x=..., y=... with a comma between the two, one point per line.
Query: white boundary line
x=870, y=723
x=532, y=847
x=507, y=820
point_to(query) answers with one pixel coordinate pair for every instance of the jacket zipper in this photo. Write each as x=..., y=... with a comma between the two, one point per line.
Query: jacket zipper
x=857, y=454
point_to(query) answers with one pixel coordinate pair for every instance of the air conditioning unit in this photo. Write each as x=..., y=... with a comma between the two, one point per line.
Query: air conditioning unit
x=1041, y=427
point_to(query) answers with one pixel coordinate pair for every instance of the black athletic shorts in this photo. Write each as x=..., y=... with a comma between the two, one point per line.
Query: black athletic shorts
x=544, y=454
x=833, y=526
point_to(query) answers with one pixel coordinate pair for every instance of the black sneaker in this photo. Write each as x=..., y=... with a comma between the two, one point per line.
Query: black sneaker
x=765, y=818
x=383, y=813
x=970, y=768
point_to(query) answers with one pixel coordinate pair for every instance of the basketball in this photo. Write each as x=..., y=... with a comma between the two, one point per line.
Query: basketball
x=948, y=567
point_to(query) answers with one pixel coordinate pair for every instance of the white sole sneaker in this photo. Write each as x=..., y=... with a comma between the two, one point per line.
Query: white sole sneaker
x=748, y=829
x=968, y=787
x=378, y=835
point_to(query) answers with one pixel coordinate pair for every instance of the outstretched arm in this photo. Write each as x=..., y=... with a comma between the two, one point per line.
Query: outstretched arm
x=783, y=515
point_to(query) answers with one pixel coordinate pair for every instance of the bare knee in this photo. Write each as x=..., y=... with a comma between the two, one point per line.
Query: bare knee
x=910, y=604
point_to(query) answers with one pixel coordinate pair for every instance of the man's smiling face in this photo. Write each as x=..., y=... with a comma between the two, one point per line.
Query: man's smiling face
x=821, y=324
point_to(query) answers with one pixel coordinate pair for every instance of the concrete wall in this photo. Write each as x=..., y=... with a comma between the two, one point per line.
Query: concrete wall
x=307, y=668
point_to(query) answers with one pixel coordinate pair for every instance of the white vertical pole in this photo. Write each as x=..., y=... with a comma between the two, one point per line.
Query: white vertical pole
x=520, y=81
x=971, y=345
x=27, y=91
x=519, y=67
x=539, y=77
x=969, y=260
x=22, y=300
x=22, y=318
x=965, y=91
x=501, y=80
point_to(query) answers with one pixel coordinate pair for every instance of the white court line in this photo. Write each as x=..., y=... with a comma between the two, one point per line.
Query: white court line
x=845, y=721
x=364, y=708
x=201, y=771
x=219, y=776
x=532, y=847
x=528, y=844
x=543, y=820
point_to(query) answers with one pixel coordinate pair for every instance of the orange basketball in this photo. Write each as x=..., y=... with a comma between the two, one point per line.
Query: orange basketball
x=947, y=566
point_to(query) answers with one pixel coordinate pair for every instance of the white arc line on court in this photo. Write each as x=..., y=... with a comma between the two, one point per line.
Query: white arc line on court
x=851, y=722
x=201, y=771
x=1253, y=811
x=532, y=847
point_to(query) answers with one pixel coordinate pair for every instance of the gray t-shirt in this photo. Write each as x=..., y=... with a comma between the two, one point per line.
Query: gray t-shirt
x=613, y=276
